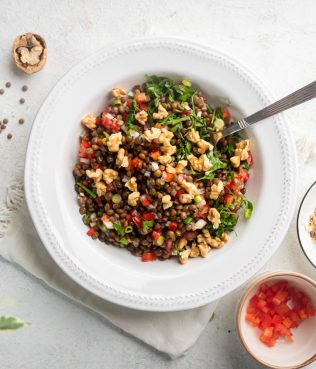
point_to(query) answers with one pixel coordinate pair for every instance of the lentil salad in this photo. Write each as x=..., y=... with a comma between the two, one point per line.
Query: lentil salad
x=149, y=179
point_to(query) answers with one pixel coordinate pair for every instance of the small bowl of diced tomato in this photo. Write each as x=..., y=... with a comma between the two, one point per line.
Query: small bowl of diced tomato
x=276, y=320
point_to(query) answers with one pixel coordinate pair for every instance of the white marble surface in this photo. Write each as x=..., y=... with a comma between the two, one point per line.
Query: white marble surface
x=276, y=39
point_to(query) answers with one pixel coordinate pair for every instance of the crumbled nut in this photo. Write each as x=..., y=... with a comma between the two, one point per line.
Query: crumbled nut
x=235, y=160
x=190, y=188
x=165, y=135
x=244, y=144
x=193, y=136
x=214, y=217
x=101, y=188
x=133, y=198
x=131, y=184
x=96, y=175
x=141, y=117
x=207, y=236
x=167, y=148
x=225, y=237
x=165, y=159
x=170, y=169
x=29, y=52
x=217, y=136
x=204, y=248
x=182, y=243
x=204, y=146
x=152, y=133
x=114, y=142
x=216, y=243
x=201, y=164
x=184, y=256
x=242, y=153
x=109, y=175
x=186, y=198
x=195, y=251
x=216, y=189
x=118, y=92
x=166, y=202
x=311, y=227
x=122, y=159
x=181, y=165
x=89, y=121
x=162, y=112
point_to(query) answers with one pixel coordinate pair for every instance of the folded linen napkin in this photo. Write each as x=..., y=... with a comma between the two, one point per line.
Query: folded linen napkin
x=170, y=332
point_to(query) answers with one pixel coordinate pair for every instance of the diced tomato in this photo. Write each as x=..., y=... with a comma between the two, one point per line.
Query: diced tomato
x=158, y=125
x=287, y=322
x=178, y=193
x=143, y=107
x=135, y=162
x=277, y=319
x=84, y=145
x=156, y=233
x=226, y=116
x=145, y=201
x=302, y=314
x=243, y=175
x=169, y=177
x=149, y=256
x=149, y=216
x=141, y=98
x=250, y=159
x=279, y=286
x=129, y=217
x=136, y=218
x=98, y=121
x=186, y=112
x=115, y=127
x=264, y=287
x=310, y=311
x=280, y=297
x=155, y=155
x=173, y=226
x=203, y=212
x=265, y=321
x=253, y=319
x=254, y=300
x=124, y=117
x=128, y=103
x=231, y=186
x=91, y=232
x=282, y=309
x=228, y=199
x=269, y=341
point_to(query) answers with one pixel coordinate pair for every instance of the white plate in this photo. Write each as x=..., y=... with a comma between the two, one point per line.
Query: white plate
x=113, y=273
x=307, y=207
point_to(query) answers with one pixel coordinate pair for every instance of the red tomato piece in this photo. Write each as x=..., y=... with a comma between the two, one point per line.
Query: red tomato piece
x=141, y=98
x=98, y=121
x=149, y=256
x=91, y=232
x=249, y=159
x=156, y=234
x=277, y=319
x=155, y=155
x=143, y=106
x=204, y=211
x=254, y=300
x=137, y=219
x=280, y=297
x=145, y=201
x=169, y=177
x=149, y=216
x=173, y=226
x=243, y=175
x=186, y=112
x=228, y=199
x=82, y=150
x=135, y=162
x=226, y=116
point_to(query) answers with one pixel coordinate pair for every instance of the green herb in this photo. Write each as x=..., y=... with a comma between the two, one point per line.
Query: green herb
x=86, y=218
x=146, y=224
x=119, y=229
x=157, y=87
x=128, y=229
x=183, y=93
x=123, y=241
x=248, y=207
x=230, y=175
x=186, y=83
x=245, y=166
x=11, y=323
x=215, y=160
x=187, y=220
x=130, y=117
x=228, y=222
x=89, y=192
x=212, y=317
x=116, y=102
x=229, y=149
x=184, y=149
x=209, y=176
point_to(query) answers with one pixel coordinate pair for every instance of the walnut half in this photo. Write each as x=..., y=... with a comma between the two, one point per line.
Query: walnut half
x=29, y=52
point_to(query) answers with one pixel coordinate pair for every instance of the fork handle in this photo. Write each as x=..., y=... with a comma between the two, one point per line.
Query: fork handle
x=298, y=97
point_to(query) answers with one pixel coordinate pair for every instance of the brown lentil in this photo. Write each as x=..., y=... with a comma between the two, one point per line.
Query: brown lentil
x=24, y=88
x=22, y=100
x=9, y=136
x=8, y=85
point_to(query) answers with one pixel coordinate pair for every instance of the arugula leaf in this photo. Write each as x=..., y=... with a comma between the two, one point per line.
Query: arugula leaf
x=174, y=122
x=215, y=160
x=187, y=220
x=119, y=229
x=184, y=149
x=10, y=323
x=130, y=117
x=245, y=166
x=159, y=86
x=229, y=149
x=228, y=222
x=209, y=176
x=230, y=175
x=184, y=93
x=146, y=224
x=248, y=207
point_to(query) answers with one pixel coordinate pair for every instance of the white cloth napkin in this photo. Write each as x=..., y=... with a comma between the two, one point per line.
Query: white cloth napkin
x=170, y=332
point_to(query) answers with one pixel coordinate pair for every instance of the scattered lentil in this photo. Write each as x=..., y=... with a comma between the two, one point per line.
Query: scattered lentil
x=21, y=120
x=9, y=136
x=22, y=100
x=5, y=121
x=8, y=85
x=1, y=91
x=24, y=88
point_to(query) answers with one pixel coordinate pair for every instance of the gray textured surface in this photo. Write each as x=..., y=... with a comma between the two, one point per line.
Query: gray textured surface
x=276, y=39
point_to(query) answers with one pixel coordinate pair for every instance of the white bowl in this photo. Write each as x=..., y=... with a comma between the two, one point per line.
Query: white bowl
x=307, y=208
x=284, y=355
x=113, y=273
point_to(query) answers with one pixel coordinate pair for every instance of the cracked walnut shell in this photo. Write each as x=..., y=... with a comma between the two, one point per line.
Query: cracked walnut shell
x=29, y=52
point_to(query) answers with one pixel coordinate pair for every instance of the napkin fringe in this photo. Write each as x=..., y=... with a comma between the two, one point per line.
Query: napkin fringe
x=14, y=199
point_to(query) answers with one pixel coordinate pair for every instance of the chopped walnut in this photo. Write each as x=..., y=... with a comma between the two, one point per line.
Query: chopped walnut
x=225, y=237
x=165, y=135
x=167, y=148
x=122, y=159
x=204, y=146
x=242, y=153
x=201, y=164
x=190, y=188
x=216, y=189
x=133, y=198
x=311, y=227
x=180, y=166
x=207, y=236
x=204, y=248
x=109, y=175
x=186, y=198
x=235, y=160
x=89, y=121
x=141, y=117
x=184, y=256
x=161, y=114
x=195, y=251
x=131, y=184
x=214, y=217
x=193, y=136
x=114, y=142
x=101, y=188
x=170, y=169
x=182, y=243
x=243, y=145
x=29, y=52
x=216, y=243
x=165, y=159
x=96, y=175
x=166, y=202
x=152, y=133
x=118, y=92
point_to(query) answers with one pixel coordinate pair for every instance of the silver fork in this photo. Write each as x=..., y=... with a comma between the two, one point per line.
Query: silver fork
x=298, y=97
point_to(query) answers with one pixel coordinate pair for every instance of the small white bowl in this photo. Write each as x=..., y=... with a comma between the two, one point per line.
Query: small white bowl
x=284, y=355
x=307, y=207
